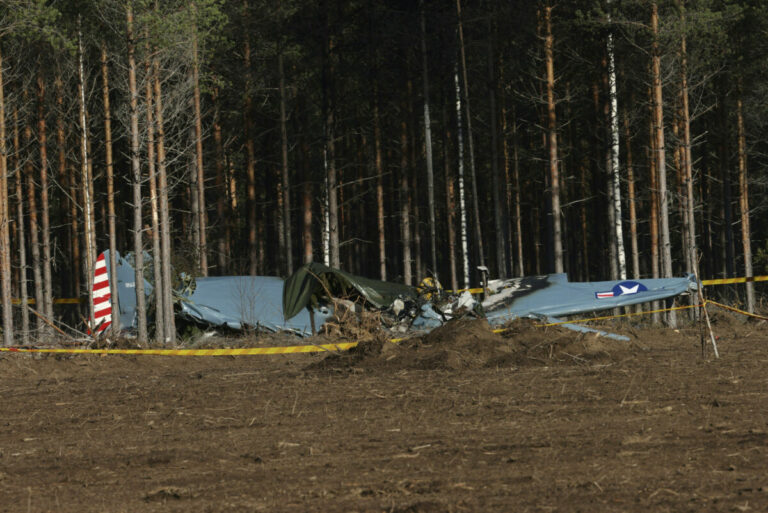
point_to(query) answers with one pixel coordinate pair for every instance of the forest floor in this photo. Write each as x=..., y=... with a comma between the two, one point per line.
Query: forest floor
x=463, y=419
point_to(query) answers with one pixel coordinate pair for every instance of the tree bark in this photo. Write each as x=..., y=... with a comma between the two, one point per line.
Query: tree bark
x=157, y=271
x=450, y=202
x=661, y=167
x=165, y=222
x=405, y=213
x=202, y=242
x=744, y=203
x=45, y=233
x=554, y=177
x=462, y=203
x=34, y=227
x=5, y=238
x=632, y=201
x=498, y=205
x=470, y=139
x=379, y=163
x=138, y=247
x=21, y=232
x=222, y=250
x=111, y=216
x=250, y=154
x=428, y=146
x=285, y=176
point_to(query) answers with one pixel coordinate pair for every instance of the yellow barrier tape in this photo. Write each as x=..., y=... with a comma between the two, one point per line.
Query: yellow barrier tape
x=732, y=309
x=728, y=281
x=245, y=351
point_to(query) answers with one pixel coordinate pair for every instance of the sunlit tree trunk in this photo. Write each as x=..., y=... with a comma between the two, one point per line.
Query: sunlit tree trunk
x=661, y=167
x=5, y=237
x=111, y=215
x=428, y=146
x=138, y=247
x=34, y=227
x=462, y=202
x=470, y=141
x=165, y=221
x=21, y=231
x=202, y=242
x=46, y=308
x=160, y=324
x=618, y=231
x=744, y=203
x=632, y=201
x=554, y=177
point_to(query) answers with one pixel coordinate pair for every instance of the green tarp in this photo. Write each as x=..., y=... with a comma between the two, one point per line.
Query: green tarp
x=314, y=281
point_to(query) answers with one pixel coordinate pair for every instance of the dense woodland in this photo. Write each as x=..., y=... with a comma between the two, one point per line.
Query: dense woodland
x=393, y=139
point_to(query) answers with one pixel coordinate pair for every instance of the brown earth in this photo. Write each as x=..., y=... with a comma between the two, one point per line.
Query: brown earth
x=462, y=419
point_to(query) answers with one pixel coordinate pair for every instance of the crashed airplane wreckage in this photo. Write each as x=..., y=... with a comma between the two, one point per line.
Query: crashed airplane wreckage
x=307, y=299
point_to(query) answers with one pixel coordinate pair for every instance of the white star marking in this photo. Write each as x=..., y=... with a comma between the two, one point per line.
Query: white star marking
x=628, y=290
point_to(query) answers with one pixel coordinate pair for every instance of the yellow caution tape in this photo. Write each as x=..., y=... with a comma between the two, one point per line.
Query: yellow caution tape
x=245, y=351
x=728, y=281
x=732, y=309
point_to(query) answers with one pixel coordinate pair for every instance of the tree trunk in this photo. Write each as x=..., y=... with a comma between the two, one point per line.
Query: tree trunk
x=631, y=199
x=450, y=202
x=470, y=139
x=428, y=146
x=554, y=177
x=34, y=229
x=498, y=207
x=111, y=216
x=462, y=203
x=160, y=324
x=692, y=256
x=615, y=171
x=744, y=203
x=330, y=154
x=202, y=242
x=222, y=250
x=661, y=167
x=250, y=155
x=165, y=222
x=284, y=170
x=138, y=247
x=46, y=308
x=379, y=184
x=5, y=237
x=21, y=232
x=405, y=213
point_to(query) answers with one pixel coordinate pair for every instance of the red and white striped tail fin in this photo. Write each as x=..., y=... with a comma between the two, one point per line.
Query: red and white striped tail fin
x=102, y=298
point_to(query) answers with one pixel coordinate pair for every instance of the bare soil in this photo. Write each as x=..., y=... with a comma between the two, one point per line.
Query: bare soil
x=462, y=419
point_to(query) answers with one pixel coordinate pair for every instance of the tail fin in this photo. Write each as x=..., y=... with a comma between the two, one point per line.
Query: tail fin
x=102, y=297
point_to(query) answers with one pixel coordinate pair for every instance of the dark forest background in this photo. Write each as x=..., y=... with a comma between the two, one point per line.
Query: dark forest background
x=249, y=137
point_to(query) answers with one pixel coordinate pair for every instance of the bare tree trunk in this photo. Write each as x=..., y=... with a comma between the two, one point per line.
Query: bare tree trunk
x=498, y=206
x=34, y=228
x=285, y=173
x=250, y=155
x=428, y=146
x=631, y=199
x=202, y=242
x=450, y=202
x=111, y=216
x=405, y=213
x=744, y=203
x=138, y=246
x=47, y=306
x=470, y=143
x=5, y=237
x=379, y=184
x=615, y=171
x=554, y=176
x=306, y=193
x=462, y=203
x=666, y=246
x=330, y=149
x=160, y=324
x=21, y=237
x=222, y=250
x=165, y=222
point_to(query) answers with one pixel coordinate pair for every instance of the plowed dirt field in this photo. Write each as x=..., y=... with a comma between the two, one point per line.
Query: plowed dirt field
x=460, y=420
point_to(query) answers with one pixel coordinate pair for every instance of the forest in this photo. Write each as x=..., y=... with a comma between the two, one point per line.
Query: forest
x=394, y=139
